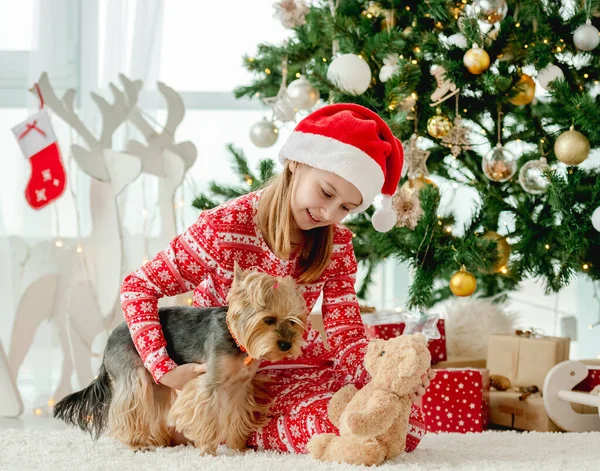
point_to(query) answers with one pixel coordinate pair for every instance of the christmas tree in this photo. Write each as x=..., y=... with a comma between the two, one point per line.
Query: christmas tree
x=455, y=82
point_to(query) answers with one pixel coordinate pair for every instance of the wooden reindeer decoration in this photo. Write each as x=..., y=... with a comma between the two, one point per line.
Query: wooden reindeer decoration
x=81, y=303
x=162, y=157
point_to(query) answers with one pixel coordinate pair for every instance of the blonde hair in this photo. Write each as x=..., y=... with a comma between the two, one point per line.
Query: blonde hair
x=277, y=224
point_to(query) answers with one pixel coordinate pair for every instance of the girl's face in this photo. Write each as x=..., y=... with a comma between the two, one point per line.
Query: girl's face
x=320, y=198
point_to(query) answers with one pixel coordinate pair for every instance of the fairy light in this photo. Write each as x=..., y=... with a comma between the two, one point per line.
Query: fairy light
x=50, y=402
x=417, y=49
x=504, y=270
x=145, y=212
x=526, y=46
x=585, y=266
x=79, y=249
x=369, y=16
x=38, y=412
x=545, y=41
x=585, y=75
x=297, y=74
x=189, y=301
x=407, y=8
x=398, y=309
x=324, y=59
x=59, y=243
x=448, y=229
x=268, y=71
x=250, y=59
x=518, y=25
x=413, y=61
x=547, y=246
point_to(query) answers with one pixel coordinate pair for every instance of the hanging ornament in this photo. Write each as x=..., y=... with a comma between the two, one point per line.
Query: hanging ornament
x=596, y=219
x=303, y=95
x=264, y=133
x=499, y=165
x=415, y=158
x=291, y=13
x=586, y=37
x=350, y=73
x=283, y=109
x=38, y=142
x=457, y=138
x=463, y=283
x=503, y=248
x=476, y=60
x=526, y=91
x=422, y=322
x=407, y=206
x=548, y=74
x=532, y=176
x=439, y=125
x=457, y=40
x=572, y=147
x=490, y=11
x=445, y=88
x=389, y=68
x=374, y=9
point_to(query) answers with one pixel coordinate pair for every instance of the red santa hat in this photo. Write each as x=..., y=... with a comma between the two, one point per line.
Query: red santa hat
x=356, y=144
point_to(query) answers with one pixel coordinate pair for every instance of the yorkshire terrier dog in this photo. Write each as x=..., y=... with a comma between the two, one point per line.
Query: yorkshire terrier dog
x=265, y=320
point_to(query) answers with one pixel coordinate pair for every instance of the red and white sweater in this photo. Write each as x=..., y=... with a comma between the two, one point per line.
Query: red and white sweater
x=201, y=259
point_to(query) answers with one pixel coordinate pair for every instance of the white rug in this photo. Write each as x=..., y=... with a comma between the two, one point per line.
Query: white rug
x=72, y=450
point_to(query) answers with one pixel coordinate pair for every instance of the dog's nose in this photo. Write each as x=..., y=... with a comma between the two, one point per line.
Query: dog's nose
x=284, y=346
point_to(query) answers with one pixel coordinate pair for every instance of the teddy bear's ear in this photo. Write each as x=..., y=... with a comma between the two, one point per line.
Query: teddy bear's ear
x=409, y=363
x=373, y=351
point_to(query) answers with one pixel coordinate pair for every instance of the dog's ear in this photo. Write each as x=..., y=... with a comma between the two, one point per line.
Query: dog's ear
x=238, y=274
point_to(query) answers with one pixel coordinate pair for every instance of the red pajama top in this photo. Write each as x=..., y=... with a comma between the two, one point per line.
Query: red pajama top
x=201, y=259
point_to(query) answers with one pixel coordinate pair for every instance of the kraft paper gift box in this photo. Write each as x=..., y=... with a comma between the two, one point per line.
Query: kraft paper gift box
x=461, y=362
x=530, y=414
x=525, y=361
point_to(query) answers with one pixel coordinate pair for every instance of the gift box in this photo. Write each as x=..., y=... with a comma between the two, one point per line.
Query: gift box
x=525, y=361
x=386, y=326
x=508, y=410
x=457, y=401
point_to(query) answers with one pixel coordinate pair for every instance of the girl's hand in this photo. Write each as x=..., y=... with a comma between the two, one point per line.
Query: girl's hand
x=418, y=392
x=177, y=377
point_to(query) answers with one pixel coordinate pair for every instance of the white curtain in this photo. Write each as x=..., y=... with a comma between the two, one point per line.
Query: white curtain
x=115, y=37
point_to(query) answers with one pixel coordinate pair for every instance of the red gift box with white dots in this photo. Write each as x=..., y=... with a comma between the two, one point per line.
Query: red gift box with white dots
x=437, y=347
x=592, y=380
x=458, y=400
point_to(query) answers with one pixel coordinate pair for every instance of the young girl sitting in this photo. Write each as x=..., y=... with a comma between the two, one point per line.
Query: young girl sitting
x=335, y=162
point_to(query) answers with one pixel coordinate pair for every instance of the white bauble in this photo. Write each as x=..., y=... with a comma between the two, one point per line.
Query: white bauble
x=350, y=73
x=596, y=219
x=264, y=133
x=458, y=40
x=303, y=95
x=586, y=37
x=548, y=74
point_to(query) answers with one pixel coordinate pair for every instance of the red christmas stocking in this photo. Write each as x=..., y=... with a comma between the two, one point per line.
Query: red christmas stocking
x=38, y=143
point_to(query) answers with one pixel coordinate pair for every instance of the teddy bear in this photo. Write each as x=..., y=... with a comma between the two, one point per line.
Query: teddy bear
x=373, y=422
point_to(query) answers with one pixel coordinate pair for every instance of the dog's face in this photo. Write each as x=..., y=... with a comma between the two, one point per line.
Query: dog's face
x=267, y=314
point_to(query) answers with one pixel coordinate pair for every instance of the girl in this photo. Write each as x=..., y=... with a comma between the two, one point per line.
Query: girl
x=335, y=162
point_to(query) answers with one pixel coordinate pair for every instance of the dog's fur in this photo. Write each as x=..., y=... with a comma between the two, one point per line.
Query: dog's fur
x=267, y=316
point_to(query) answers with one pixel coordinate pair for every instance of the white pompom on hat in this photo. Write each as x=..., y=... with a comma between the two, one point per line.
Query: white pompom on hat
x=357, y=144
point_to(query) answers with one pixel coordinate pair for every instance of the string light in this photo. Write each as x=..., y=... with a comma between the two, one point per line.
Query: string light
x=585, y=266
x=59, y=243
x=250, y=59
x=518, y=25
x=324, y=59
x=79, y=249
x=504, y=270
x=297, y=74
x=268, y=71
x=547, y=246
x=398, y=309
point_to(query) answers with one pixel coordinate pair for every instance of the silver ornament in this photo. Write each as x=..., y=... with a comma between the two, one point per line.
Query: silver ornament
x=549, y=74
x=532, y=176
x=499, y=165
x=350, y=73
x=303, y=95
x=586, y=37
x=490, y=11
x=264, y=133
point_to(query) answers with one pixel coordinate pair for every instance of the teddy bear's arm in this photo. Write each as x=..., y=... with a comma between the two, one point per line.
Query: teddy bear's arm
x=379, y=415
x=338, y=403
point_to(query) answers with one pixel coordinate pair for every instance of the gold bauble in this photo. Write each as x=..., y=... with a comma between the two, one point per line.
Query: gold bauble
x=463, y=283
x=476, y=60
x=503, y=248
x=439, y=125
x=572, y=147
x=417, y=183
x=526, y=87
